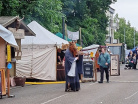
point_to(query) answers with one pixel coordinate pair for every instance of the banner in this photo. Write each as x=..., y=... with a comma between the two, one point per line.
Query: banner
x=73, y=35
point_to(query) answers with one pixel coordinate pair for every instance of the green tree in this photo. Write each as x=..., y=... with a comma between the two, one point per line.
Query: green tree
x=47, y=12
x=90, y=15
x=129, y=32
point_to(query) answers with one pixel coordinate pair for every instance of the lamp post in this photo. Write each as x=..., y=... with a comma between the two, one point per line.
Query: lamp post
x=63, y=27
x=134, y=37
x=124, y=36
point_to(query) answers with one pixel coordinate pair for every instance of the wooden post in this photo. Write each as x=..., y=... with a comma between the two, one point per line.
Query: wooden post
x=95, y=70
x=66, y=31
x=80, y=37
x=8, y=71
x=56, y=63
x=8, y=82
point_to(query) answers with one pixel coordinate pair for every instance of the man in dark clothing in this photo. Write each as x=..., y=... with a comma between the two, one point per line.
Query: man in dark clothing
x=104, y=61
x=135, y=52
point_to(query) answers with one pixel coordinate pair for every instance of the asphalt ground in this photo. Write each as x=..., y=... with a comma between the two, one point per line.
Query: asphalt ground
x=121, y=89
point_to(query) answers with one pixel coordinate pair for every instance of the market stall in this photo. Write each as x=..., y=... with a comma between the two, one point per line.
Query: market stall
x=19, y=30
x=90, y=65
x=39, y=54
x=6, y=38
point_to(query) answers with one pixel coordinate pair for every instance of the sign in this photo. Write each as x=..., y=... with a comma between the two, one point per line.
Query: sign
x=18, y=34
x=0, y=85
x=8, y=53
x=88, y=69
x=115, y=66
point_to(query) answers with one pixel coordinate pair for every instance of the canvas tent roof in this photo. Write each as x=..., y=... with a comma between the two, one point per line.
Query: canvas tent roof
x=43, y=36
x=8, y=36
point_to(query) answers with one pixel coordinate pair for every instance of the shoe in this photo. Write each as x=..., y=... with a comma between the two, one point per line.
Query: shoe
x=100, y=82
x=107, y=81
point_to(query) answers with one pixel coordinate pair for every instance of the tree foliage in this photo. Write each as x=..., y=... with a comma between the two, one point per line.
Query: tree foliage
x=46, y=12
x=90, y=15
x=125, y=29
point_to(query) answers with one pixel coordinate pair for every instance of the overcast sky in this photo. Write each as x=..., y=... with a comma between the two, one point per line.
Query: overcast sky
x=127, y=9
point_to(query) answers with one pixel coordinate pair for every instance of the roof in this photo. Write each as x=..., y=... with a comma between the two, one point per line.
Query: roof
x=9, y=21
x=8, y=36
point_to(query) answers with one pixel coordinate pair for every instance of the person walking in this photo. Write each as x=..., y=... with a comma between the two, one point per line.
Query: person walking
x=104, y=62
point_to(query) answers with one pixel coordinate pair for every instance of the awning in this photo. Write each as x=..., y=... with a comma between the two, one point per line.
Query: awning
x=8, y=36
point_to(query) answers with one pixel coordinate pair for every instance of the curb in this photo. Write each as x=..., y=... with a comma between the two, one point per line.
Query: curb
x=41, y=83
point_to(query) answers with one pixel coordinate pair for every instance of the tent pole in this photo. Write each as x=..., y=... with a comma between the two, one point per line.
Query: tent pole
x=95, y=70
x=56, y=63
x=66, y=31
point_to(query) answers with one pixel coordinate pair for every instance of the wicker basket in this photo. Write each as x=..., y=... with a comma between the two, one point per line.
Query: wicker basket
x=20, y=81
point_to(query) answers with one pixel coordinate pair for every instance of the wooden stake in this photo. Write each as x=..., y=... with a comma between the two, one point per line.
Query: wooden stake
x=8, y=83
x=95, y=70
x=66, y=31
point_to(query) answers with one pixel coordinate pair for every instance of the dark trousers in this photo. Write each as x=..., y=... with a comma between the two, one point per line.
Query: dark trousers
x=102, y=73
x=134, y=66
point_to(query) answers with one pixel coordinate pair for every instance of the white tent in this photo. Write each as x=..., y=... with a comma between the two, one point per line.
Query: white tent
x=39, y=54
x=44, y=36
x=8, y=36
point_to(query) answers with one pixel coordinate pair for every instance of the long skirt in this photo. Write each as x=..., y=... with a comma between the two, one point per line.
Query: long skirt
x=72, y=83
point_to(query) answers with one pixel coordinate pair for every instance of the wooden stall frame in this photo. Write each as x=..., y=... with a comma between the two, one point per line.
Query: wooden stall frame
x=4, y=81
x=8, y=71
x=95, y=70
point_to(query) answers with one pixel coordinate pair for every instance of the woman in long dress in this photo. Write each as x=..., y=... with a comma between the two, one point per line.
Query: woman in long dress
x=72, y=81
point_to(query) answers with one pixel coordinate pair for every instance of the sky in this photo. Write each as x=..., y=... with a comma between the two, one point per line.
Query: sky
x=127, y=9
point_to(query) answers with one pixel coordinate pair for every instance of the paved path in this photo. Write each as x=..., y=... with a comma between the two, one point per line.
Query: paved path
x=122, y=89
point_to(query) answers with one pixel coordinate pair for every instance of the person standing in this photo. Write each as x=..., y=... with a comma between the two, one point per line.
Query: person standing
x=104, y=62
x=72, y=69
x=134, y=61
x=135, y=52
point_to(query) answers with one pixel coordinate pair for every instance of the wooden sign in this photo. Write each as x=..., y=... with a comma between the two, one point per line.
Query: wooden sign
x=115, y=66
x=18, y=34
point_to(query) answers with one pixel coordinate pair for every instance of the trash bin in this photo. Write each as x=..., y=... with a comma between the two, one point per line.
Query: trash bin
x=88, y=69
